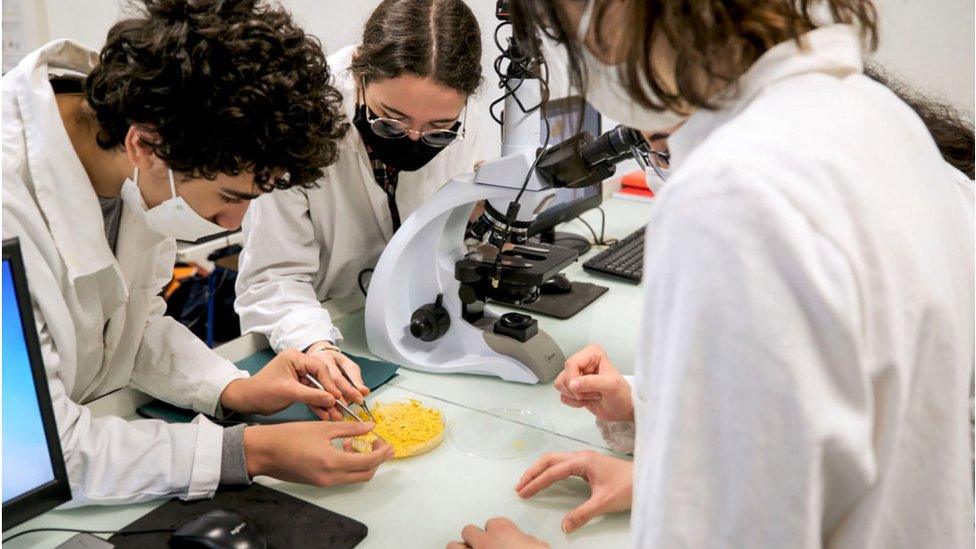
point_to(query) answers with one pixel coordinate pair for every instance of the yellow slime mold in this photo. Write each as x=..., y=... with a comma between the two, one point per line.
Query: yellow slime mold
x=409, y=426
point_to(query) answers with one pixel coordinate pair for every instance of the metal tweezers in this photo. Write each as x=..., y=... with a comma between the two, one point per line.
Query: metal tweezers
x=342, y=406
x=351, y=382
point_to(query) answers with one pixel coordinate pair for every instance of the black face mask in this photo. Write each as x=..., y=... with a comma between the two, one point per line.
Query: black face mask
x=402, y=153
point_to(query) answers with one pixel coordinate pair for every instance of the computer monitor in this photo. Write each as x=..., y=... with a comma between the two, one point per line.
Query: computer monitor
x=34, y=475
x=564, y=121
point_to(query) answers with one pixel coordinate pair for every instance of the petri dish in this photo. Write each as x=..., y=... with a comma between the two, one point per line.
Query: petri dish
x=502, y=433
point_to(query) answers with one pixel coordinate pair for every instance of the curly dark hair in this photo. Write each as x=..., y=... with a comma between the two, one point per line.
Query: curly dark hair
x=712, y=42
x=221, y=87
x=952, y=133
x=439, y=39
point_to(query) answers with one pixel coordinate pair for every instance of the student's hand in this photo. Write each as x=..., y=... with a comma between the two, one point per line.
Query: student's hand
x=498, y=533
x=332, y=358
x=588, y=380
x=282, y=383
x=303, y=452
x=611, y=483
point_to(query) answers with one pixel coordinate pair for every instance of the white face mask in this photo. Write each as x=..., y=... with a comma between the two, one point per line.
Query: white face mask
x=172, y=218
x=606, y=92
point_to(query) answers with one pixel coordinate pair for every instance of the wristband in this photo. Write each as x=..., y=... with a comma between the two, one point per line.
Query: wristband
x=326, y=346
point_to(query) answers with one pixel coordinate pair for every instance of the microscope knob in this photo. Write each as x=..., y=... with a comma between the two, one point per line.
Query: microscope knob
x=467, y=293
x=431, y=321
x=421, y=328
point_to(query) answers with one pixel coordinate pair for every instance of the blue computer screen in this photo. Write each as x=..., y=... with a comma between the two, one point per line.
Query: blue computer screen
x=26, y=460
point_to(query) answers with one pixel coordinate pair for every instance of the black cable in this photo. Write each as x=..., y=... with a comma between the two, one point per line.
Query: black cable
x=596, y=239
x=571, y=238
x=600, y=240
x=521, y=63
x=586, y=244
x=93, y=532
x=603, y=228
x=528, y=174
x=359, y=280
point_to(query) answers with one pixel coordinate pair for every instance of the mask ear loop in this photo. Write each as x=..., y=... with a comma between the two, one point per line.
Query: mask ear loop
x=172, y=183
x=584, y=24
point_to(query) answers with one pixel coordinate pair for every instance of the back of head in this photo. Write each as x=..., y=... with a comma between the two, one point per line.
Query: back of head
x=221, y=86
x=952, y=133
x=437, y=39
x=687, y=51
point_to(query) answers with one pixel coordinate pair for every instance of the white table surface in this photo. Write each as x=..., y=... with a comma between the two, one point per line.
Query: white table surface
x=425, y=501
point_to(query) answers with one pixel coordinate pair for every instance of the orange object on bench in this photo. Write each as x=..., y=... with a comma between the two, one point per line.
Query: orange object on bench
x=635, y=183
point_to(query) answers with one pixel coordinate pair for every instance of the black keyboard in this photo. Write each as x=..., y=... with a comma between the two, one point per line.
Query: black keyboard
x=625, y=259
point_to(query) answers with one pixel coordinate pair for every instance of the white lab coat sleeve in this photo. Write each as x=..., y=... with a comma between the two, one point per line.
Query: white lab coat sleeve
x=174, y=365
x=113, y=461
x=619, y=435
x=275, y=295
x=752, y=430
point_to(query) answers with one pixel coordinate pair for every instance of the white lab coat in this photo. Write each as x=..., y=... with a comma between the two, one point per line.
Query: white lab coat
x=804, y=376
x=99, y=315
x=306, y=246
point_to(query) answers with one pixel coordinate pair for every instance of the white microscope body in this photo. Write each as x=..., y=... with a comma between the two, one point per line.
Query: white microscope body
x=418, y=265
x=425, y=308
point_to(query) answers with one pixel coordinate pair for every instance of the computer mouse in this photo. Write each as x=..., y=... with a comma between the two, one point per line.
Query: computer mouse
x=558, y=284
x=218, y=529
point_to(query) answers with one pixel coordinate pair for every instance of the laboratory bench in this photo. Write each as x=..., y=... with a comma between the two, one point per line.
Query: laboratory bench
x=424, y=501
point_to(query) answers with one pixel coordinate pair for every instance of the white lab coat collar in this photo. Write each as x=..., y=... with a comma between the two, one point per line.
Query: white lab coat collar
x=64, y=192
x=833, y=49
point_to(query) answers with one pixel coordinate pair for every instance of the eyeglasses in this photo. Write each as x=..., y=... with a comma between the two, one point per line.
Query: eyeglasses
x=390, y=128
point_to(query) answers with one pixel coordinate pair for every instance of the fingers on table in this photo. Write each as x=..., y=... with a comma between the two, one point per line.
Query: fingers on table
x=546, y=478
x=537, y=468
x=593, y=507
x=472, y=535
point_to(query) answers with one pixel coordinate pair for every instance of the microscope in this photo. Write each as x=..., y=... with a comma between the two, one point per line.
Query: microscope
x=426, y=305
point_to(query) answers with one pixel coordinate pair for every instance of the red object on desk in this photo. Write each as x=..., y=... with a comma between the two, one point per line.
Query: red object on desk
x=635, y=184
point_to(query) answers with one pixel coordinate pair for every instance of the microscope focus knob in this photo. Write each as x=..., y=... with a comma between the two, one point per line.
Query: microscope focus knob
x=431, y=321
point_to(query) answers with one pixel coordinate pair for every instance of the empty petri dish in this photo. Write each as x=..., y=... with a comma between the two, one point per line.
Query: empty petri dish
x=501, y=432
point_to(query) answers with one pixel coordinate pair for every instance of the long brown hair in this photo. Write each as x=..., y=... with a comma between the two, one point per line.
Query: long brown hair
x=710, y=42
x=439, y=39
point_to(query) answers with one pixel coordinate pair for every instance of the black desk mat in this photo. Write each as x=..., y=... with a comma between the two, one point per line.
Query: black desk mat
x=284, y=520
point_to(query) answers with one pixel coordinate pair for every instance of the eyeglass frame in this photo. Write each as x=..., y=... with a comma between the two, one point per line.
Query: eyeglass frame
x=458, y=136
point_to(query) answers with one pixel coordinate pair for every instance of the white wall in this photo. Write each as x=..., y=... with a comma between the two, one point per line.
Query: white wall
x=929, y=43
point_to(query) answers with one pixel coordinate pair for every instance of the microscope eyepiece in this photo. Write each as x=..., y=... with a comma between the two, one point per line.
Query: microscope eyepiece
x=612, y=147
x=581, y=161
